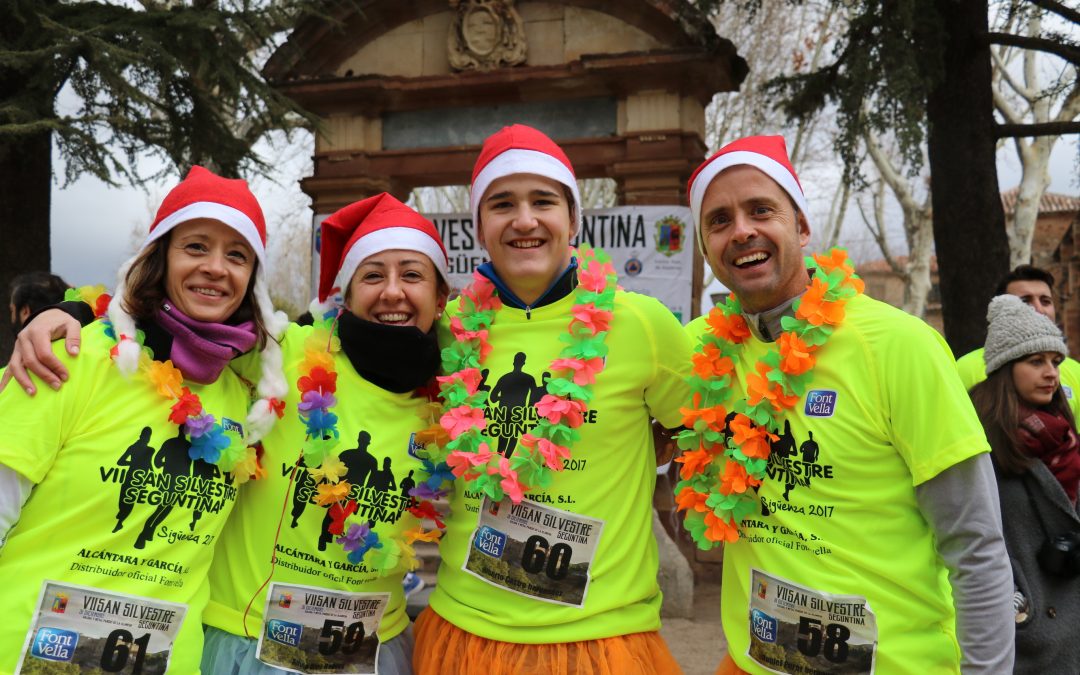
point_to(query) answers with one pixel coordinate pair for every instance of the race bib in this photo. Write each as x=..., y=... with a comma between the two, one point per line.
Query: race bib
x=314, y=630
x=794, y=629
x=95, y=630
x=534, y=550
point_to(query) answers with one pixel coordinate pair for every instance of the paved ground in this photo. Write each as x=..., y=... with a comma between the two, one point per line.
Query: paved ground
x=698, y=643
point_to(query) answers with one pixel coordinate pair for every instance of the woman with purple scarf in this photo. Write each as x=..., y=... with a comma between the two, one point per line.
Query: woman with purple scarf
x=115, y=488
x=307, y=576
x=1036, y=453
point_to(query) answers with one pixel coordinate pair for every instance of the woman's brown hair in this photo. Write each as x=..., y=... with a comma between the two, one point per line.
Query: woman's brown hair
x=998, y=407
x=145, y=289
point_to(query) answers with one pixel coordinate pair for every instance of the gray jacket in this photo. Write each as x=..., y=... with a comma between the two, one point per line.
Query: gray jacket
x=1048, y=641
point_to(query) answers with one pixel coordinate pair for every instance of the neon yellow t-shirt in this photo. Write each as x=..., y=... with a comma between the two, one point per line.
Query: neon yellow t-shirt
x=376, y=429
x=883, y=413
x=117, y=505
x=972, y=369
x=609, y=479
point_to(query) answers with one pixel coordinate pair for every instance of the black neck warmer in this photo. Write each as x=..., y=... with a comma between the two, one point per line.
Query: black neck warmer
x=395, y=358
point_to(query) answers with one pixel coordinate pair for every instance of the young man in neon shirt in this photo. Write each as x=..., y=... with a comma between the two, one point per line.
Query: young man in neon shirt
x=564, y=581
x=1034, y=286
x=871, y=492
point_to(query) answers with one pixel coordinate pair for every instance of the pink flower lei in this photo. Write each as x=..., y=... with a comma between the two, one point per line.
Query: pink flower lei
x=561, y=410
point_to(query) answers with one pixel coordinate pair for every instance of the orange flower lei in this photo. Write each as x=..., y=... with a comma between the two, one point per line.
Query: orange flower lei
x=724, y=460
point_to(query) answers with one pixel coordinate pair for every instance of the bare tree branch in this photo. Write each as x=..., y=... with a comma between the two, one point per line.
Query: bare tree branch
x=1070, y=108
x=1061, y=10
x=1067, y=52
x=1041, y=129
x=1001, y=69
x=1002, y=105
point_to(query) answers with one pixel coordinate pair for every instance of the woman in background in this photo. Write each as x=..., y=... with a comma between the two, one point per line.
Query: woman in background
x=1036, y=453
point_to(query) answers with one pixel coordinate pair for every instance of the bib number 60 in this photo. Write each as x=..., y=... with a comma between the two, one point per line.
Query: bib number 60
x=554, y=561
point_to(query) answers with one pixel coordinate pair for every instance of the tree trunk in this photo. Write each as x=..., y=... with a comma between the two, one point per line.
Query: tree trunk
x=921, y=247
x=25, y=192
x=969, y=223
x=25, y=165
x=1033, y=183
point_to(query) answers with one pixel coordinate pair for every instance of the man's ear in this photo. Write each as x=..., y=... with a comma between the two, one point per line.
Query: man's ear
x=24, y=314
x=479, y=233
x=804, y=228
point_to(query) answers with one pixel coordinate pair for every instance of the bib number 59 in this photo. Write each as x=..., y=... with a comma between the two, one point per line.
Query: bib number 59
x=335, y=636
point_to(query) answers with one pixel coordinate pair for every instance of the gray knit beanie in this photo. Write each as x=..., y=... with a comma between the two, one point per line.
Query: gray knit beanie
x=1017, y=330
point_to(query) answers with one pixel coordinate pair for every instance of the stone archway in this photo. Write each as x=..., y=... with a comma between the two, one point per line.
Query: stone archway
x=408, y=91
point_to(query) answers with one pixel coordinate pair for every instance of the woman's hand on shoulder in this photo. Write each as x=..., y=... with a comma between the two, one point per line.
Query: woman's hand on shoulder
x=33, y=350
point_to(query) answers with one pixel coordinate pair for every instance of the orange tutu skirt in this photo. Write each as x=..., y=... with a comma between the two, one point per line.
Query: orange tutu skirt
x=728, y=667
x=444, y=649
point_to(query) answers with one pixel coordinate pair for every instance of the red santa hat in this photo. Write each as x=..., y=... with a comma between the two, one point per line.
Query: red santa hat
x=203, y=194
x=370, y=226
x=521, y=149
x=768, y=154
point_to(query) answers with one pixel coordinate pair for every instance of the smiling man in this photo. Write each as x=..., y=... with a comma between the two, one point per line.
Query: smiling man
x=564, y=581
x=874, y=492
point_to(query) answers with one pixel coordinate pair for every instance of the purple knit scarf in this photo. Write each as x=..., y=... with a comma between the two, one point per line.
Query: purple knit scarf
x=202, y=350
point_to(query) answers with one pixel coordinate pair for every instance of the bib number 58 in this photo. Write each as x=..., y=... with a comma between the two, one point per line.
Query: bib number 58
x=833, y=639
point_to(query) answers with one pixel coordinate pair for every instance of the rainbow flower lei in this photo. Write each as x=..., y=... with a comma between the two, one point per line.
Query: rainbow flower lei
x=723, y=460
x=95, y=296
x=207, y=439
x=466, y=450
x=317, y=385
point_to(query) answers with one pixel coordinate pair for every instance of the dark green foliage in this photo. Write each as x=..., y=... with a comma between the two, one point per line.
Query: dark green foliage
x=179, y=79
x=884, y=65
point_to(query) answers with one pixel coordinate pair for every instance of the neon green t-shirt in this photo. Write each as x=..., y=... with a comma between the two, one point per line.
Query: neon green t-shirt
x=376, y=429
x=117, y=505
x=839, y=522
x=972, y=369
x=600, y=503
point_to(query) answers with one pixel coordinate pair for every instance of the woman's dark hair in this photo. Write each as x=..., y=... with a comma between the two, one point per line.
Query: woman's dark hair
x=145, y=292
x=998, y=407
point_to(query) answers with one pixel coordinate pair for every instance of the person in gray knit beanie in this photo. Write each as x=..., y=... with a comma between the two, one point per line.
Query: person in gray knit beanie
x=1016, y=330
x=1036, y=452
